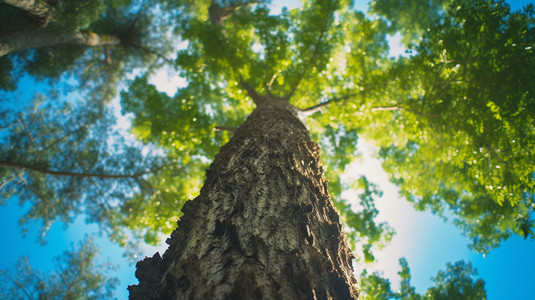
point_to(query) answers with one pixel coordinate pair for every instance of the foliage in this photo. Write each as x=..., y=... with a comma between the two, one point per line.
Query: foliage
x=77, y=276
x=454, y=283
x=362, y=230
x=453, y=121
x=452, y=133
x=410, y=18
x=97, y=68
x=253, y=50
x=51, y=150
x=463, y=135
x=457, y=283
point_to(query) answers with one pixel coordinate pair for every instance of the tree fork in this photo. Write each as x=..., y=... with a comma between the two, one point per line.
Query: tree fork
x=263, y=226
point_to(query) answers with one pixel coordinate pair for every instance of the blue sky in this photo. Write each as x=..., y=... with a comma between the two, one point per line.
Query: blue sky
x=422, y=238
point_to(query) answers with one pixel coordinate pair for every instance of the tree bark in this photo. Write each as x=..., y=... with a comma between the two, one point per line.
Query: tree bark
x=36, y=39
x=263, y=226
x=38, y=8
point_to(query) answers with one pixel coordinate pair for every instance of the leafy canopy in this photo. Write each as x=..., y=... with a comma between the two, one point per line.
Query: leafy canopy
x=455, y=283
x=453, y=121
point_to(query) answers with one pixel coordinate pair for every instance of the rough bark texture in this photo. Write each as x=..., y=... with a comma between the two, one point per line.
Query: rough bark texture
x=263, y=226
x=36, y=39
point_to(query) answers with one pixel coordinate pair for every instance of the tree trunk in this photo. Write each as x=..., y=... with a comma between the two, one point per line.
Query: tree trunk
x=263, y=226
x=35, y=39
x=38, y=8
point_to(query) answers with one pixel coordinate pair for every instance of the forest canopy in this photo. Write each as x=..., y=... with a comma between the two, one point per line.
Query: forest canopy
x=453, y=119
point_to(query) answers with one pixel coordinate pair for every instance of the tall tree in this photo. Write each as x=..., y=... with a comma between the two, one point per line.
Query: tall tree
x=264, y=198
x=263, y=217
x=322, y=56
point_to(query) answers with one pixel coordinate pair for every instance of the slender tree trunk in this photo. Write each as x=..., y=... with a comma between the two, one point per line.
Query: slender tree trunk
x=36, y=39
x=263, y=226
x=38, y=8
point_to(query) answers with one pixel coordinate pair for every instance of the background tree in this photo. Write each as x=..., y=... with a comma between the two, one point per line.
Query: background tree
x=97, y=43
x=52, y=148
x=455, y=283
x=78, y=275
x=38, y=8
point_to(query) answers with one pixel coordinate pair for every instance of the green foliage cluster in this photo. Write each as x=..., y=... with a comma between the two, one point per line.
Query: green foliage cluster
x=361, y=228
x=463, y=126
x=455, y=283
x=77, y=276
x=409, y=18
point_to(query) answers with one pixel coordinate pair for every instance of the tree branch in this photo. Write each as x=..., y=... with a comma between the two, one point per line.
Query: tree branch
x=151, y=51
x=400, y=107
x=11, y=179
x=218, y=14
x=66, y=173
x=319, y=107
x=257, y=98
x=303, y=113
x=64, y=137
x=18, y=284
x=225, y=128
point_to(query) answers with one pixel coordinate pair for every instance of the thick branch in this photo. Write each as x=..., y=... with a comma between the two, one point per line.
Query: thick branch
x=257, y=98
x=319, y=107
x=386, y=108
x=66, y=173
